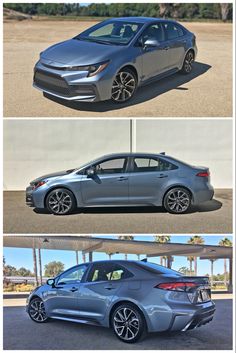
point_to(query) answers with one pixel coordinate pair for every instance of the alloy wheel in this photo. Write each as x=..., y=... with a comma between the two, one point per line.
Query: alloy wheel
x=37, y=310
x=60, y=202
x=126, y=324
x=188, y=62
x=123, y=86
x=178, y=201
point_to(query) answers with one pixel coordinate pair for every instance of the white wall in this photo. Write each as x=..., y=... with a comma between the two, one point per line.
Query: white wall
x=33, y=147
x=201, y=142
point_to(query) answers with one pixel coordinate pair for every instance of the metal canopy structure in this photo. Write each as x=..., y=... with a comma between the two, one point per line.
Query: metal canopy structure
x=88, y=244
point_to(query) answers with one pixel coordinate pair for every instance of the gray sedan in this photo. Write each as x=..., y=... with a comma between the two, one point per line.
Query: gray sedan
x=123, y=179
x=131, y=297
x=113, y=58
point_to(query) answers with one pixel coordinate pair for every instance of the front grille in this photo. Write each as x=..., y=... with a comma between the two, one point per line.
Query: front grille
x=55, y=84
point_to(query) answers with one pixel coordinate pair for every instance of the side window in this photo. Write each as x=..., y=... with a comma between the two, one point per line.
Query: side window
x=152, y=165
x=111, y=166
x=107, y=272
x=153, y=31
x=72, y=276
x=172, y=31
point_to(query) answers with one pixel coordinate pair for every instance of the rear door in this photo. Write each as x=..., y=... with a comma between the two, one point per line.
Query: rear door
x=176, y=44
x=103, y=282
x=148, y=178
x=109, y=185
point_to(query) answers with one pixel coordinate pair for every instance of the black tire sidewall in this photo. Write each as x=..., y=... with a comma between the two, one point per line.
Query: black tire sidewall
x=183, y=71
x=142, y=322
x=38, y=322
x=172, y=190
x=136, y=85
x=73, y=205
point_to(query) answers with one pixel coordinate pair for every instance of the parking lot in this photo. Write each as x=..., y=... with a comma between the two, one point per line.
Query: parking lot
x=22, y=333
x=206, y=92
x=211, y=217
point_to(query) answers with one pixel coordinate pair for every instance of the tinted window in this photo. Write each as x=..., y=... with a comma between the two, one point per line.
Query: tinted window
x=114, y=32
x=172, y=31
x=153, y=31
x=152, y=267
x=152, y=165
x=111, y=166
x=73, y=276
x=107, y=272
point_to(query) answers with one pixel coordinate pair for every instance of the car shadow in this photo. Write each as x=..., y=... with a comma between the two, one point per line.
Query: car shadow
x=144, y=93
x=209, y=206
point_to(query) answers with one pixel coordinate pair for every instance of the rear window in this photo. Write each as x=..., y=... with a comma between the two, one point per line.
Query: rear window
x=154, y=268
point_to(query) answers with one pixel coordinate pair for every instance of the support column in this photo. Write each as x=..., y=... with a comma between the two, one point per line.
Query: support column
x=132, y=135
x=35, y=267
x=170, y=259
x=230, y=285
x=84, y=256
x=40, y=267
x=77, y=257
x=90, y=256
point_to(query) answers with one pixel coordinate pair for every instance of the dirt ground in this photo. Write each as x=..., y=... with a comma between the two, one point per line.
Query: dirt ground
x=207, y=92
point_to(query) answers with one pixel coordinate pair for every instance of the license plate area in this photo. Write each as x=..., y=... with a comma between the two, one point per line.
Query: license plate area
x=204, y=295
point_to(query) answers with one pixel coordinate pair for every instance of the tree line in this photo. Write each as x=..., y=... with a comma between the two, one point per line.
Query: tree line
x=186, y=11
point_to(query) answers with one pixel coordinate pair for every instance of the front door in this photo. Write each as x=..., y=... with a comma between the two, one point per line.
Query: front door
x=108, y=185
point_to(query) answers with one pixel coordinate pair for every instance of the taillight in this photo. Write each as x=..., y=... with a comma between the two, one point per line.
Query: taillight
x=203, y=174
x=37, y=185
x=177, y=286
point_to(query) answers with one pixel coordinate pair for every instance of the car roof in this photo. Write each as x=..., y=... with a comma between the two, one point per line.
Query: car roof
x=142, y=19
x=133, y=154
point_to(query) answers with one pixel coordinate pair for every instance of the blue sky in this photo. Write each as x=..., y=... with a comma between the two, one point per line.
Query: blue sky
x=23, y=257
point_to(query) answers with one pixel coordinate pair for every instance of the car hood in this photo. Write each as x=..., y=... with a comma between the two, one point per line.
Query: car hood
x=75, y=52
x=52, y=175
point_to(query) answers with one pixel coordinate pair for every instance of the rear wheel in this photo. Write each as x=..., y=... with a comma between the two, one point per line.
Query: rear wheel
x=128, y=323
x=60, y=201
x=188, y=63
x=177, y=200
x=124, y=86
x=37, y=311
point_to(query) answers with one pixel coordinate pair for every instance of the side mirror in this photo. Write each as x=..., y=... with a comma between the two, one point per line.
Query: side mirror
x=151, y=42
x=51, y=282
x=90, y=172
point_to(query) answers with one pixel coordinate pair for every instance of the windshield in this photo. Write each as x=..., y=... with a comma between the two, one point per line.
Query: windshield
x=112, y=32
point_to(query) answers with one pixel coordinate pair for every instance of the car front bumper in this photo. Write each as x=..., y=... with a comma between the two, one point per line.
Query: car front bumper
x=72, y=85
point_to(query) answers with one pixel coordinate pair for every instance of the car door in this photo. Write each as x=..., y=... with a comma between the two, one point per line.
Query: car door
x=62, y=298
x=176, y=44
x=148, y=178
x=155, y=60
x=108, y=185
x=103, y=282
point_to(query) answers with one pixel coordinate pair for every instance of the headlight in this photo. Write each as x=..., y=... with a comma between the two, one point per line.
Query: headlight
x=92, y=69
x=38, y=184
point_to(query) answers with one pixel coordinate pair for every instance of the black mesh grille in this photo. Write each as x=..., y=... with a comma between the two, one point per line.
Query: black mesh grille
x=55, y=84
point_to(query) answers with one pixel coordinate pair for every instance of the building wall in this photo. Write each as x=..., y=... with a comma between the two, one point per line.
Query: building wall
x=36, y=147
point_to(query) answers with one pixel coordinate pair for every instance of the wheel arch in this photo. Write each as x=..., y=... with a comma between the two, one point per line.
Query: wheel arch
x=58, y=187
x=130, y=67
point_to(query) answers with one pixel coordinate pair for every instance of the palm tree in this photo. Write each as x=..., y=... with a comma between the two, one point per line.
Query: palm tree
x=126, y=237
x=225, y=242
x=162, y=239
x=197, y=240
x=190, y=259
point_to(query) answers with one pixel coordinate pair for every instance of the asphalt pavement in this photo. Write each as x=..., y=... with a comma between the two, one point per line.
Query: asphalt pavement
x=211, y=217
x=20, y=332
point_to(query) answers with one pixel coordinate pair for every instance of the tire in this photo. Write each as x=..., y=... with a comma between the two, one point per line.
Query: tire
x=124, y=86
x=36, y=311
x=188, y=63
x=60, y=202
x=134, y=323
x=177, y=200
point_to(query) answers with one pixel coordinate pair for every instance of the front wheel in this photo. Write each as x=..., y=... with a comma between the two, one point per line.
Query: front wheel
x=128, y=323
x=37, y=311
x=124, y=86
x=188, y=63
x=60, y=202
x=177, y=200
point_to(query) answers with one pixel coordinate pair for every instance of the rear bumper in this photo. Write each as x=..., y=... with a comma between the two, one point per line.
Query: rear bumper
x=203, y=195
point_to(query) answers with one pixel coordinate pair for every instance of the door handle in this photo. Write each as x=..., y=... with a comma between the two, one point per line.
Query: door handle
x=109, y=287
x=162, y=176
x=74, y=289
x=122, y=178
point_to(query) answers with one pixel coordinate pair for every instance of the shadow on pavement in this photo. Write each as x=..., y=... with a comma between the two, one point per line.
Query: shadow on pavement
x=143, y=94
x=209, y=206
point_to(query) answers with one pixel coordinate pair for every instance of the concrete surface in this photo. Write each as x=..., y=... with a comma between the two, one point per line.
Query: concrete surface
x=207, y=92
x=19, y=332
x=48, y=145
x=212, y=217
